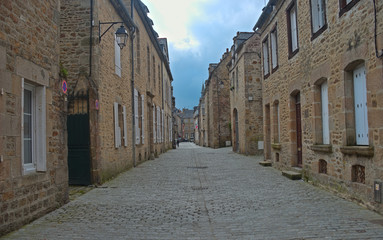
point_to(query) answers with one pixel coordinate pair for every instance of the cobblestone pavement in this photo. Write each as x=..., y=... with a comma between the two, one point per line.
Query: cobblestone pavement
x=201, y=193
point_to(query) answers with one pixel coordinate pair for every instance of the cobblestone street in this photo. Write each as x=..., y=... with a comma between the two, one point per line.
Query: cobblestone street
x=202, y=193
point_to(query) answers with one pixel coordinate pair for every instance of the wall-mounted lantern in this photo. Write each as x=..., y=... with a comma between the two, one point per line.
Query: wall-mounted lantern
x=121, y=33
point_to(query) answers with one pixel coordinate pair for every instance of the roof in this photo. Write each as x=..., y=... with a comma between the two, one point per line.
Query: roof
x=186, y=113
x=266, y=11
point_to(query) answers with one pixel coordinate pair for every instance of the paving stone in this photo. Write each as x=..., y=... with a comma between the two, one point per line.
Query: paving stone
x=202, y=193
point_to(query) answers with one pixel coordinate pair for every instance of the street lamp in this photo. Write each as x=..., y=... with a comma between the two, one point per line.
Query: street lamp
x=121, y=33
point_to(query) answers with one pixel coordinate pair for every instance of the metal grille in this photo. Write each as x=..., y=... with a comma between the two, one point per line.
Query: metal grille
x=78, y=103
x=358, y=174
x=322, y=166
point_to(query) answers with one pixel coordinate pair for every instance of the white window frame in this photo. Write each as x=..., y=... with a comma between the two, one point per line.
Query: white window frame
x=136, y=117
x=117, y=57
x=274, y=48
x=154, y=124
x=117, y=128
x=325, y=114
x=265, y=51
x=143, y=118
x=360, y=105
x=38, y=133
x=293, y=28
x=317, y=15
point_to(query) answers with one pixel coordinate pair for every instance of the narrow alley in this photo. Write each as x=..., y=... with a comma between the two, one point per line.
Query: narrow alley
x=201, y=193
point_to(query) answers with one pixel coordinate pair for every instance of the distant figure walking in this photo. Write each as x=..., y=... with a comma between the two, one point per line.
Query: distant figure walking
x=178, y=142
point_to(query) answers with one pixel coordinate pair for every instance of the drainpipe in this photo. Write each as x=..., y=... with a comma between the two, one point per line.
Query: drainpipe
x=91, y=38
x=132, y=87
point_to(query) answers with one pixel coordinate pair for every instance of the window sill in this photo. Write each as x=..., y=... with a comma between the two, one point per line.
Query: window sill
x=276, y=146
x=364, y=151
x=327, y=148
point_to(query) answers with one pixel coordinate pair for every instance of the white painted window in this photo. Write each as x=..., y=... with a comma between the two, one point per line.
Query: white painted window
x=117, y=128
x=117, y=57
x=154, y=124
x=158, y=125
x=278, y=123
x=274, y=50
x=125, y=126
x=325, y=117
x=162, y=126
x=360, y=105
x=265, y=47
x=317, y=14
x=136, y=123
x=294, y=30
x=33, y=128
x=143, y=118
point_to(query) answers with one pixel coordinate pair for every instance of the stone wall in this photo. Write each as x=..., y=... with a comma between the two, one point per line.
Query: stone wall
x=246, y=97
x=346, y=42
x=219, y=104
x=29, y=53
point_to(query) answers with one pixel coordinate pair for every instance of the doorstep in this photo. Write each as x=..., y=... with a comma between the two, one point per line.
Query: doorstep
x=292, y=175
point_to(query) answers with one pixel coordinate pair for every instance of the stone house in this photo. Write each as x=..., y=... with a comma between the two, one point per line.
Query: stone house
x=115, y=94
x=33, y=143
x=217, y=103
x=323, y=92
x=246, y=94
x=196, y=120
x=186, y=124
x=202, y=126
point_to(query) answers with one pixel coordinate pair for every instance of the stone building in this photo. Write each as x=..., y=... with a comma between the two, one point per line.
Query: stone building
x=33, y=143
x=118, y=104
x=246, y=94
x=202, y=124
x=323, y=92
x=217, y=104
x=196, y=120
x=186, y=124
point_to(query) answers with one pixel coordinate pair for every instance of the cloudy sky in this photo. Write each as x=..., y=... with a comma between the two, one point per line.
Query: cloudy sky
x=198, y=33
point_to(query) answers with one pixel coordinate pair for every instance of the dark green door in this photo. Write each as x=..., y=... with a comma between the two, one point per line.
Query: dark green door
x=78, y=149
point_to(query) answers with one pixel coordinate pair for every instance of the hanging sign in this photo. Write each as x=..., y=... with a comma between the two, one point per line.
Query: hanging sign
x=64, y=87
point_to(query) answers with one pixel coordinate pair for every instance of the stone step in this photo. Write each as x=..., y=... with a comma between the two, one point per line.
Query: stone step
x=265, y=163
x=292, y=175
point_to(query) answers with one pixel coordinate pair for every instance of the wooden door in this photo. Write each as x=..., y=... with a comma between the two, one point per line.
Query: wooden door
x=298, y=129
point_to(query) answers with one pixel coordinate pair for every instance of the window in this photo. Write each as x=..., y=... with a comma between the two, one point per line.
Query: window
x=33, y=128
x=358, y=174
x=265, y=51
x=117, y=57
x=136, y=117
x=154, y=124
x=120, y=126
x=322, y=166
x=186, y=135
x=236, y=78
x=346, y=5
x=148, y=63
x=274, y=48
x=292, y=28
x=143, y=118
x=276, y=123
x=360, y=105
x=325, y=118
x=318, y=17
